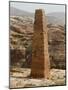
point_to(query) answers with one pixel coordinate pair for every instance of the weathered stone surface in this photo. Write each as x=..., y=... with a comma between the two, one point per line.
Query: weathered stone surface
x=40, y=56
x=17, y=79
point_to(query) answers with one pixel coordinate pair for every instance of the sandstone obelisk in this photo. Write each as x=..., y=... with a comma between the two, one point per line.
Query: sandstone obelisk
x=40, y=57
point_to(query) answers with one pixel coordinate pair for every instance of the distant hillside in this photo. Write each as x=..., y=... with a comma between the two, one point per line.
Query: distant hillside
x=56, y=18
x=53, y=18
x=18, y=12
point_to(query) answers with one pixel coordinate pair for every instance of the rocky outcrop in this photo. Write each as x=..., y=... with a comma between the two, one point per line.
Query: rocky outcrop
x=21, y=32
x=57, y=46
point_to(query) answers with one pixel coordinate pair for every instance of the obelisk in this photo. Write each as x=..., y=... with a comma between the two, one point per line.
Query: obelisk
x=40, y=57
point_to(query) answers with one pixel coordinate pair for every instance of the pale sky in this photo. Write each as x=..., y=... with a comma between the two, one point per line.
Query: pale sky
x=30, y=7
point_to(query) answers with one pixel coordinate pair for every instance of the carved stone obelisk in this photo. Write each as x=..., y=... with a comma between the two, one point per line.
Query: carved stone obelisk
x=40, y=57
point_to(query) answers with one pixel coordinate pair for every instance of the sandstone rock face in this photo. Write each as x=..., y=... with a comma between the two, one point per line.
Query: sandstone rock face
x=56, y=36
x=21, y=31
x=40, y=56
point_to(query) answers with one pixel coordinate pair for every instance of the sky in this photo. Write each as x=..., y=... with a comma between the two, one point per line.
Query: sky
x=30, y=7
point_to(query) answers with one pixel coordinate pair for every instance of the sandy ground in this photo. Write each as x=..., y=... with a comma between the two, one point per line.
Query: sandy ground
x=19, y=77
